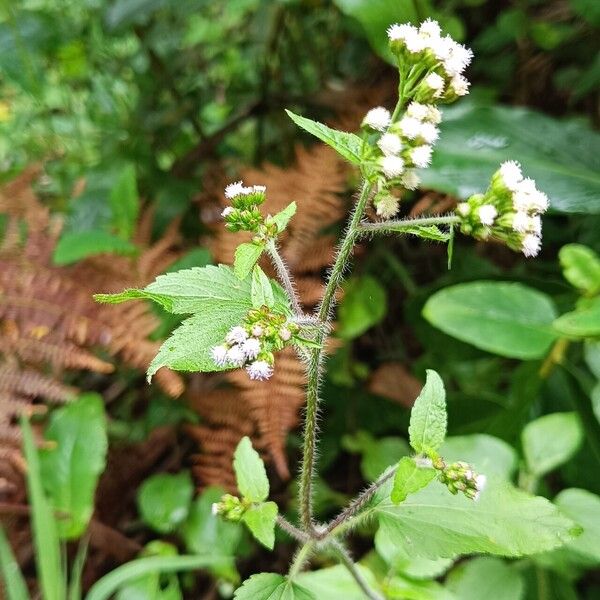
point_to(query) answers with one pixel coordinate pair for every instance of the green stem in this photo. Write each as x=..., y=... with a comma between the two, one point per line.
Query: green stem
x=400, y=224
x=284, y=276
x=300, y=559
x=316, y=359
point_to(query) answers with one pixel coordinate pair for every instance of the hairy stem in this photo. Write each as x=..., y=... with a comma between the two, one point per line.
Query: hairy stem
x=400, y=224
x=292, y=530
x=316, y=359
x=300, y=559
x=343, y=555
x=284, y=276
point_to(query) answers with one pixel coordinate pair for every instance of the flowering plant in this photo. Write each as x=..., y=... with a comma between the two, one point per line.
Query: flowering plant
x=240, y=319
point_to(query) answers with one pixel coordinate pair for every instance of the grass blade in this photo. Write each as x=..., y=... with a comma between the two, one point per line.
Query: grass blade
x=14, y=583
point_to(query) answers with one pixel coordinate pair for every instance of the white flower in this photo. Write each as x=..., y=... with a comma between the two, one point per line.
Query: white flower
x=459, y=85
x=429, y=132
x=531, y=245
x=257, y=330
x=377, y=118
x=511, y=174
x=392, y=166
x=421, y=156
x=214, y=509
x=259, y=189
x=538, y=202
x=251, y=348
x=520, y=222
x=436, y=83
x=236, y=356
x=430, y=28
x=410, y=180
x=387, y=206
x=410, y=127
x=527, y=186
x=487, y=213
x=535, y=226
x=390, y=143
x=401, y=32
x=236, y=335
x=480, y=483
x=463, y=209
x=433, y=114
x=227, y=211
x=414, y=42
x=418, y=111
x=219, y=355
x=259, y=370
x=285, y=334
x=234, y=189
x=458, y=60
x=442, y=47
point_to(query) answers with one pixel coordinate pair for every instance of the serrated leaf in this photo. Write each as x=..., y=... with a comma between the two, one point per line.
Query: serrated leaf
x=581, y=267
x=503, y=521
x=428, y=418
x=283, y=217
x=164, y=500
x=410, y=478
x=261, y=291
x=550, y=441
x=123, y=200
x=508, y=319
x=250, y=473
x=348, y=145
x=70, y=470
x=246, y=256
x=77, y=245
x=581, y=323
x=427, y=232
x=260, y=519
x=271, y=586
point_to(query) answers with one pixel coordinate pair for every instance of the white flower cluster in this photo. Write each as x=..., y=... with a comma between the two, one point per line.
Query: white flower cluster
x=233, y=190
x=446, y=58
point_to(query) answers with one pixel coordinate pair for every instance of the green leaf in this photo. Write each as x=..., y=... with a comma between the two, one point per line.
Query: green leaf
x=164, y=500
x=45, y=534
x=591, y=351
x=123, y=201
x=551, y=441
x=581, y=323
x=260, y=519
x=261, y=292
x=486, y=577
x=487, y=454
x=71, y=469
x=475, y=139
x=271, y=586
x=584, y=508
x=282, y=218
x=363, y=306
x=14, y=583
x=504, y=520
x=348, y=145
x=335, y=583
x=250, y=473
x=508, y=319
x=77, y=245
x=410, y=478
x=105, y=587
x=581, y=268
x=427, y=232
x=245, y=258
x=428, y=418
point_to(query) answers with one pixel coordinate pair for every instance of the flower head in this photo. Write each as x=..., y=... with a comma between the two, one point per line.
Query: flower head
x=392, y=166
x=511, y=174
x=410, y=127
x=487, y=213
x=390, y=143
x=285, y=334
x=236, y=335
x=251, y=348
x=227, y=211
x=435, y=83
x=236, y=356
x=235, y=189
x=377, y=118
x=531, y=245
x=430, y=29
x=418, y=111
x=433, y=114
x=429, y=133
x=459, y=85
x=259, y=370
x=421, y=156
x=219, y=355
x=410, y=180
x=387, y=206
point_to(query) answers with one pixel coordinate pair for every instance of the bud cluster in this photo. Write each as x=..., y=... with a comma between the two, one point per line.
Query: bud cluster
x=252, y=344
x=231, y=508
x=460, y=477
x=509, y=211
x=432, y=64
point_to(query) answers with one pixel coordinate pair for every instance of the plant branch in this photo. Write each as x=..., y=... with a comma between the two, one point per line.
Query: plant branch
x=316, y=359
x=284, y=276
x=300, y=559
x=292, y=530
x=399, y=224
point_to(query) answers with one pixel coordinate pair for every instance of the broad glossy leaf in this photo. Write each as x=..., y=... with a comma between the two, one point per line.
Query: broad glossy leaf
x=364, y=305
x=581, y=323
x=550, y=441
x=508, y=319
x=250, y=472
x=562, y=156
x=260, y=519
x=581, y=267
x=70, y=470
x=428, y=417
x=77, y=245
x=245, y=258
x=486, y=577
x=272, y=586
x=348, y=145
x=410, y=478
x=505, y=521
x=164, y=500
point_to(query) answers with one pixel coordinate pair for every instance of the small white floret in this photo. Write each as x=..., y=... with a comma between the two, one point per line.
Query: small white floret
x=259, y=370
x=392, y=166
x=429, y=133
x=433, y=114
x=251, y=348
x=234, y=189
x=487, y=213
x=227, y=211
x=410, y=127
x=511, y=174
x=459, y=85
x=410, y=180
x=421, y=156
x=214, y=509
x=387, y=207
x=463, y=209
x=259, y=189
x=236, y=356
x=538, y=202
x=531, y=245
x=257, y=330
x=430, y=28
x=442, y=47
x=219, y=355
x=520, y=222
x=435, y=83
x=285, y=334
x=377, y=118
x=390, y=143
x=418, y=111
x=236, y=335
